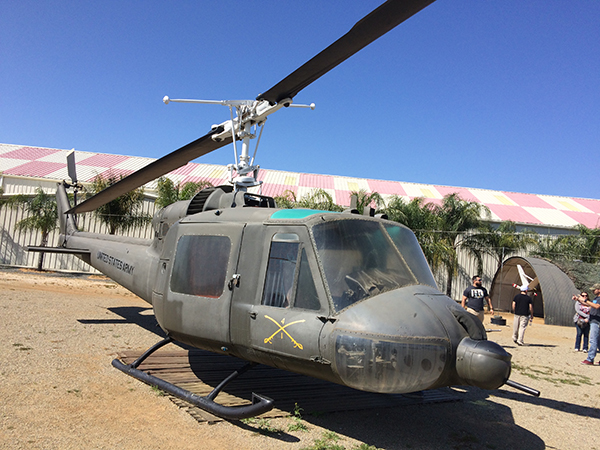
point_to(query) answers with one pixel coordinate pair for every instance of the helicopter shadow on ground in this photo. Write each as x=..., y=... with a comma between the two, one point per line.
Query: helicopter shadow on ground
x=570, y=408
x=474, y=422
x=471, y=422
x=467, y=419
x=130, y=314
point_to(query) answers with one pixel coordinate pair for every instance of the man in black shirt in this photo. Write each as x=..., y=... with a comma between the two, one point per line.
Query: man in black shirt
x=523, y=308
x=473, y=297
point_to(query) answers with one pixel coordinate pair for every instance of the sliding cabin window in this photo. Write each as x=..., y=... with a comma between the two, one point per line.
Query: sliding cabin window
x=289, y=281
x=201, y=265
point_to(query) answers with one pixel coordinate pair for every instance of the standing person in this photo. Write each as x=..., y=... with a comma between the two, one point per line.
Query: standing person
x=594, y=325
x=473, y=297
x=582, y=321
x=523, y=308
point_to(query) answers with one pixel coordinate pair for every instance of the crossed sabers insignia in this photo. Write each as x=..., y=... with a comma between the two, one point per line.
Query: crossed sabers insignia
x=282, y=329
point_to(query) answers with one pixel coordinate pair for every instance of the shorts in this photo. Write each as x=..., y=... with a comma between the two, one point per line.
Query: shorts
x=479, y=314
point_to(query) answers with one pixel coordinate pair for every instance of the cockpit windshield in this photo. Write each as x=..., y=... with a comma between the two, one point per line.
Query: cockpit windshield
x=363, y=258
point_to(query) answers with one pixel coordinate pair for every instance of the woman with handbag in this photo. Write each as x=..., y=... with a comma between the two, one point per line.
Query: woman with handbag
x=582, y=322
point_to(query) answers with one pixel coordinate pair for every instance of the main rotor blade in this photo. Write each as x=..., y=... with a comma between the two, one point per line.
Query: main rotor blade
x=158, y=168
x=365, y=31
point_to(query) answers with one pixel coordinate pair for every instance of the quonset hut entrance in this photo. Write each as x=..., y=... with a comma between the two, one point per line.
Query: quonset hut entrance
x=553, y=287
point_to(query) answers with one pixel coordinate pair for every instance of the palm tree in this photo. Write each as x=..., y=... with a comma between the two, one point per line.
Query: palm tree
x=455, y=216
x=498, y=242
x=2, y=199
x=169, y=192
x=589, y=243
x=365, y=199
x=124, y=212
x=317, y=199
x=287, y=200
x=42, y=216
x=585, y=246
x=419, y=217
x=555, y=247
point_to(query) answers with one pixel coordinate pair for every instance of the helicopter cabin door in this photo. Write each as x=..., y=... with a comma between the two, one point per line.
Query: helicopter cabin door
x=198, y=298
x=286, y=317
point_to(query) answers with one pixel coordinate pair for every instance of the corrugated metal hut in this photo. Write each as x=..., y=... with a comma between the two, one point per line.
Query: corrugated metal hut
x=553, y=287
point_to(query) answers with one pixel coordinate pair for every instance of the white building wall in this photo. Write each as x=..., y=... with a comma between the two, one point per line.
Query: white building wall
x=14, y=242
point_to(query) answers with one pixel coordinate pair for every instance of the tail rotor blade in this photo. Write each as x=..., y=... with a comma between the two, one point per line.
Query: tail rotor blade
x=71, y=166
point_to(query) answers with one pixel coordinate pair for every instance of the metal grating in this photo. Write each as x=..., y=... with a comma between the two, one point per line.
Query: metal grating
x=200, y=371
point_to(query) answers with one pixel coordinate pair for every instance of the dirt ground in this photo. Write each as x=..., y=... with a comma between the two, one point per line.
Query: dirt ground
x=58, y=389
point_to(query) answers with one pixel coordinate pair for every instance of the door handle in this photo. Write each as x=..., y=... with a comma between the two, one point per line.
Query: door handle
x=234, y=282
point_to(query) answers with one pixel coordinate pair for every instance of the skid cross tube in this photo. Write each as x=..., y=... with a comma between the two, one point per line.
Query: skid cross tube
x=260, y=404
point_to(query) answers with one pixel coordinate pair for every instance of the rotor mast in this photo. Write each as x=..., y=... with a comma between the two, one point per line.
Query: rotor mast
x=250, y=115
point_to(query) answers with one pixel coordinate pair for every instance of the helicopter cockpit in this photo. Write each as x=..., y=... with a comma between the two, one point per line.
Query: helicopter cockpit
x=363, y=258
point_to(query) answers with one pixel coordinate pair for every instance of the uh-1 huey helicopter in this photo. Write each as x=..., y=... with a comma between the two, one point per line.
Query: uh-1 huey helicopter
x=342, y=297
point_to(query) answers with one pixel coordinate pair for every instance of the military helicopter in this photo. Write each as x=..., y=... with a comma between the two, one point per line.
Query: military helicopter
x=343, y=297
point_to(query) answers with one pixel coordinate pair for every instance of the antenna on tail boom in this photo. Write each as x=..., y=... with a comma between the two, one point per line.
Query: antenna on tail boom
x=72, y=171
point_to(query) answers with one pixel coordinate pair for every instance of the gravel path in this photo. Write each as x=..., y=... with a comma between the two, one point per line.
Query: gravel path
x=58, y=389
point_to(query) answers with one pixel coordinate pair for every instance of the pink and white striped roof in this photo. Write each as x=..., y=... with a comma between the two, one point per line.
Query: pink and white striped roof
x=541, y=210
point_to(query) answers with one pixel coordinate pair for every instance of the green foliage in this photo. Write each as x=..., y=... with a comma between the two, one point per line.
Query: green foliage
x=500, y=242
x=589, y=244
x=169, y=192
x=455, y=216
x=553, y=375
x=263, y=426
x=365, y=199
x=440, y=229
x=318, y=199
x=331, y=436
x=327, y=442
x=581, y=273
x=42, y=213
x=42, y=216
x=2, y=199
x=287, y=200
x=297, y=424
x=157, y=391
x=124, y=212
x=420, y=218
x=584, y=246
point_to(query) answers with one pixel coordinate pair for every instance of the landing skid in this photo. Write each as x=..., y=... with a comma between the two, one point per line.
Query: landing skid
x=260, y=404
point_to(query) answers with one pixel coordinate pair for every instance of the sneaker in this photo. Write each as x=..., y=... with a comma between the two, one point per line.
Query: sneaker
x=520, y=343
x=577, y=350
x=585, y=350
x=585, y=362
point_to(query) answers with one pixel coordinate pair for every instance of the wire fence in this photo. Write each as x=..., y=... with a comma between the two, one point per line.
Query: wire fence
x=14, y=243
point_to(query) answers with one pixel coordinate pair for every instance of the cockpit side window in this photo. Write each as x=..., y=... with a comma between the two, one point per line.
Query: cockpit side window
x=289, y=281
x=281, y=272
x=306, y=293
x=200, y=266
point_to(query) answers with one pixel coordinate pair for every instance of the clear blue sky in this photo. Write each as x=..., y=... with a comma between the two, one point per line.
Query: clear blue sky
x=496, y=94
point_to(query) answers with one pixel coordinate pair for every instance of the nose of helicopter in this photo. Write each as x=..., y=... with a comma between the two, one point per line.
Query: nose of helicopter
x=413, y=339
